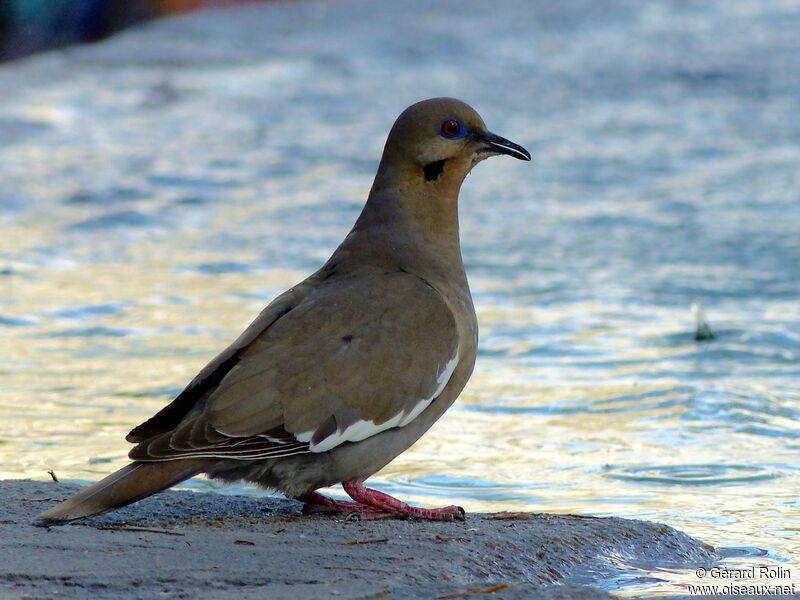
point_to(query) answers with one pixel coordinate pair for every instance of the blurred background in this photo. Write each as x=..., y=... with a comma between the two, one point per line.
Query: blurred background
x=28, y=26
x=158, y=188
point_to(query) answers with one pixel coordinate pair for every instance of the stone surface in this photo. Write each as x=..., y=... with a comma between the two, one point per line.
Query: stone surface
x=196, y=545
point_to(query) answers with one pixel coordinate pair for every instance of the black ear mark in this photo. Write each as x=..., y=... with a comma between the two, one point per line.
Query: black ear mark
x=433, y=170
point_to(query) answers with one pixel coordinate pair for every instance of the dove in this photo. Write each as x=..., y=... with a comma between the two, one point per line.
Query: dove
x=346, y=370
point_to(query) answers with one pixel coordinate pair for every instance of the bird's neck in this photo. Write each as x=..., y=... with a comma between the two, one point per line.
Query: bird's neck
x=410, y=223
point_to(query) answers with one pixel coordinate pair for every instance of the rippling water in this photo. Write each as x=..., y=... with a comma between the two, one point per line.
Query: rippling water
x=158, y=189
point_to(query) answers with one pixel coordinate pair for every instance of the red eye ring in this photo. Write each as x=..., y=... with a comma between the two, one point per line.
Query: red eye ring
x=451, y=128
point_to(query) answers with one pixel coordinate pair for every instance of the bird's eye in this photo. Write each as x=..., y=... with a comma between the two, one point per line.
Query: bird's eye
x=452, y=129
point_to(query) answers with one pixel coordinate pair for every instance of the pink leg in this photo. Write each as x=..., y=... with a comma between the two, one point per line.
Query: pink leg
x=317, y=503
x=317, y=499
x=384, y=502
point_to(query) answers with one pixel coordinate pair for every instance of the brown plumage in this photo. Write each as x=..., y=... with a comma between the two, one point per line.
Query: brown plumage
x=344, y=371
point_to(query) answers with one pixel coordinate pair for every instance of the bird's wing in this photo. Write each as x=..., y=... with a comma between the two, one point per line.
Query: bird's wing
x=214, y=372
x=354, y=358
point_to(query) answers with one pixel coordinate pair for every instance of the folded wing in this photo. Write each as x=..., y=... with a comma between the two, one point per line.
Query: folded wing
x=355, y=357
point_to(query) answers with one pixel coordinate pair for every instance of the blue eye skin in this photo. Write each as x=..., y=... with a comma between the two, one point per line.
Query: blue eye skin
x=452, y=129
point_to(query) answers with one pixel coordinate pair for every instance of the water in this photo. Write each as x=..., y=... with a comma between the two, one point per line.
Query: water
x=157, y=190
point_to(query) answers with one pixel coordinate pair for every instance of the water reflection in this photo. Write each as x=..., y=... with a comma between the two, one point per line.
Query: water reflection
x=124, y=267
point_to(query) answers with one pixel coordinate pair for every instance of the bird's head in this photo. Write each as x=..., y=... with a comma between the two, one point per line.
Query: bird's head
x=441, y=139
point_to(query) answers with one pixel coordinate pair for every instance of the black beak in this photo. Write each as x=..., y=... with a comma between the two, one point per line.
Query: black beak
x=499, y=145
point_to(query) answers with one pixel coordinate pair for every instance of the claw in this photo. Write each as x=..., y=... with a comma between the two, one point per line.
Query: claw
x=392, y=506
x=370, y=505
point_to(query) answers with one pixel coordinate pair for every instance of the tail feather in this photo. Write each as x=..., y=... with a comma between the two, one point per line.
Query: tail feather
x=131, y=483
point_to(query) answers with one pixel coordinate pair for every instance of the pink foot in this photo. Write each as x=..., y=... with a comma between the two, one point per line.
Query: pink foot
x=379, y=501
x=315, y=503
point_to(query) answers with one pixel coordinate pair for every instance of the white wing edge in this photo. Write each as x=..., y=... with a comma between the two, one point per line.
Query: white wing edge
x=361, y=430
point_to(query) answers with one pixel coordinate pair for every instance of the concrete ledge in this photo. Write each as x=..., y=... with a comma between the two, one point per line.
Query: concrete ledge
x=193, y=545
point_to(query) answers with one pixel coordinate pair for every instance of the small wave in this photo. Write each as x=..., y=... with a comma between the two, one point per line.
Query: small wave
x=82, y=313
x=15, y=321
x=219, y=267
x=700, y=474
x=119, y=219
x=90, y=332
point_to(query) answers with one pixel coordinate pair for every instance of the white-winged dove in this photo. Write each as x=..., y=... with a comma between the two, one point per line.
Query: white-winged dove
x=346, y=370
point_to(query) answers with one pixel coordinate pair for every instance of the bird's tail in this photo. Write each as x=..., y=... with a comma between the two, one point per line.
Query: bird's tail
x=131, y=483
